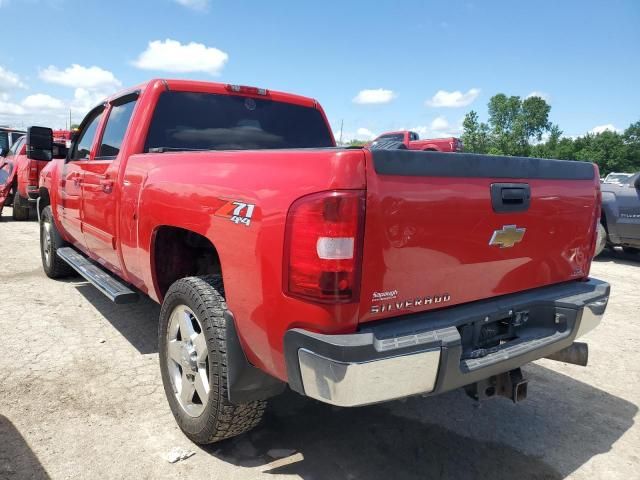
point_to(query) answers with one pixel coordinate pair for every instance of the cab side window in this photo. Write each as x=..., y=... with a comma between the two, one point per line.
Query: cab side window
x=82, y=146
x=117, y=124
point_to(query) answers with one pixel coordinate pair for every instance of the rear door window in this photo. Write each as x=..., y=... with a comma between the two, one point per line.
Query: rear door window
x=207, y=121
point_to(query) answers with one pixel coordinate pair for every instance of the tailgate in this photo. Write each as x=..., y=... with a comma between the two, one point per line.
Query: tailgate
x=444, y=229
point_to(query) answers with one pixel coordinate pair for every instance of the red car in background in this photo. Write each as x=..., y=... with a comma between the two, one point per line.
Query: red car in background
x=7, y=173
x=22, y=190
x=411, y=141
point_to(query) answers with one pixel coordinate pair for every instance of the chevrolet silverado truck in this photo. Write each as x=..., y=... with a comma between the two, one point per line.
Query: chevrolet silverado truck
x=353, y=276
x=411, y=141
x=621, y=213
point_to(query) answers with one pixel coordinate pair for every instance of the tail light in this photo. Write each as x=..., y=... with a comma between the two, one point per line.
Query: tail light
x=33, y=173
x=323, y=247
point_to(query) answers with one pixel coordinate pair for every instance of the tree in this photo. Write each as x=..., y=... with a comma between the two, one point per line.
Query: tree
x=475, y=135
x=513, y=125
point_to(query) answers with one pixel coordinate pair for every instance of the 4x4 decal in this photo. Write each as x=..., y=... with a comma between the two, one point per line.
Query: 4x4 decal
x=237, y=211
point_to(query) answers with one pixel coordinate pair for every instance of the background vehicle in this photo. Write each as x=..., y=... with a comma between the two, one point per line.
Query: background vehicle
x=25, y=190
x=621, y=213
x=354, y=276
x=616, y=177
x=8, y=136
x=7, y=172
x=411, y=140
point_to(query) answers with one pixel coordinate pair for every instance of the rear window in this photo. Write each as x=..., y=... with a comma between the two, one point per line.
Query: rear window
x=207, y=121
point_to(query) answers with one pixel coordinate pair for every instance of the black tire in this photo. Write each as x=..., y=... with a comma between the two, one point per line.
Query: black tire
x=50, y=242
x=601, y=241
x=219, y=419
x=20, y=207
x=631, y=250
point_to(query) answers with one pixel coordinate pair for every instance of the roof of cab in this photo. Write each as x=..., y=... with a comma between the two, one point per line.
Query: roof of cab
x=213, y=87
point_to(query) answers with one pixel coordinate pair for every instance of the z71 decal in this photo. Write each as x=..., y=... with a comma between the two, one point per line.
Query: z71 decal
x=238, y=212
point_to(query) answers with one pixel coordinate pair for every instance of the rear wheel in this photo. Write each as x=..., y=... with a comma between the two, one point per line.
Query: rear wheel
x=20, y=207
x=631, y=250
x=50, y=242
x=193, y=362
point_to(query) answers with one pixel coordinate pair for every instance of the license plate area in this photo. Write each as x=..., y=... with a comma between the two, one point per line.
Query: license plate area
x=488, y=334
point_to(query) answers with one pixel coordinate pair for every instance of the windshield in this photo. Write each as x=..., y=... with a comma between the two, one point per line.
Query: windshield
x=207, y=121
x=618, y=177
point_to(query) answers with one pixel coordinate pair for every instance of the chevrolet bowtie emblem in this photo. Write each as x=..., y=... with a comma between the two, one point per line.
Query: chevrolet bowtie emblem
x=507, y=237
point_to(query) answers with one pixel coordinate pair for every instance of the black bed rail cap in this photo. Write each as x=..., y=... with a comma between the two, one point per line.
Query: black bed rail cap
x=439, y=164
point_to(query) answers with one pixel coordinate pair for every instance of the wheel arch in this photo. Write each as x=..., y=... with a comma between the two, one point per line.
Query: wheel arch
x=177, y=252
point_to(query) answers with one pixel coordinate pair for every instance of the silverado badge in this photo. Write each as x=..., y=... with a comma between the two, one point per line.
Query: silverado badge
x=508, y=236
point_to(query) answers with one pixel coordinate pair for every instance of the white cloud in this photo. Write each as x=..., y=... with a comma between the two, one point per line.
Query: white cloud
x=438, y=128
x=9, y=80
x=439, y=124
x=77, y=76
x=361, y=134
x=199, y=5
x=84, y=100
x=603, y=128
x=545, y=96
x=373, y=96
x=42, y=101
x=172, y=56
x=442, y=98
x=11, y=109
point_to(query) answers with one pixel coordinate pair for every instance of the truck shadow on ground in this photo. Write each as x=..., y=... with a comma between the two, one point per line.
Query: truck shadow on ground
x=440, y=437
x=136, y=322
x=17, y=460
x=617, y=256
x=561, y=426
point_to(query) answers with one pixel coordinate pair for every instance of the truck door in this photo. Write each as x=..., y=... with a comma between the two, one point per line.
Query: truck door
x=100, y=189
x=629, y=211
x=70, y=204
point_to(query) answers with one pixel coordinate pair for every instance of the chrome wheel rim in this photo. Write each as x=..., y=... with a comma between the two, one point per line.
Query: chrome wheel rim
x=46, y=242
x=188, y=360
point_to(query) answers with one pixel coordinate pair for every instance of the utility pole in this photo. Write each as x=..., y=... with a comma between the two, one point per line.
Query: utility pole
x=341, y=125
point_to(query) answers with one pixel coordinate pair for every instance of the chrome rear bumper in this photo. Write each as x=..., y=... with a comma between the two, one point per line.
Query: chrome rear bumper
x=403, y=357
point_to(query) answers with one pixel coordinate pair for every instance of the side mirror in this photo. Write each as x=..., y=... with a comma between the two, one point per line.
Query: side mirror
x=637, y=182
x=3, y=151
x=40, y=143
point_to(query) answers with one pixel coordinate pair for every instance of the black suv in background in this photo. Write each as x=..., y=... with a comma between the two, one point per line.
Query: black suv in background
x=621, y=213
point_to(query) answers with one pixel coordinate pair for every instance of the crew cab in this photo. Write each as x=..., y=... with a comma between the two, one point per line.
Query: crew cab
x=411, y=141
x=353, y=276
x=621, y=213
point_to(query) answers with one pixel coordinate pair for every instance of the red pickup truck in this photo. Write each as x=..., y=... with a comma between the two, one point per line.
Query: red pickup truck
x=354, y=276
x=24, y=181
x=412, y=141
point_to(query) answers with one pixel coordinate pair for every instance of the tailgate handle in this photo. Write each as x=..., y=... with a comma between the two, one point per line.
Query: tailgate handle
x=510, y=197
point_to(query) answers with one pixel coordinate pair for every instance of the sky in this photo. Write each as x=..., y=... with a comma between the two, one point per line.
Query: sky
x=373, y=66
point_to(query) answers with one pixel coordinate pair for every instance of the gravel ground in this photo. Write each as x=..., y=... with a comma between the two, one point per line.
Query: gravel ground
x=81, y=397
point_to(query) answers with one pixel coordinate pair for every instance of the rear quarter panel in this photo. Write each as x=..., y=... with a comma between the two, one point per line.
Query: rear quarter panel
x=186, y=190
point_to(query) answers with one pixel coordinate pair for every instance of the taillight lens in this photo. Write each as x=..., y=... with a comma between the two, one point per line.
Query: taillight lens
x=323, y=246
x=33, y=173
